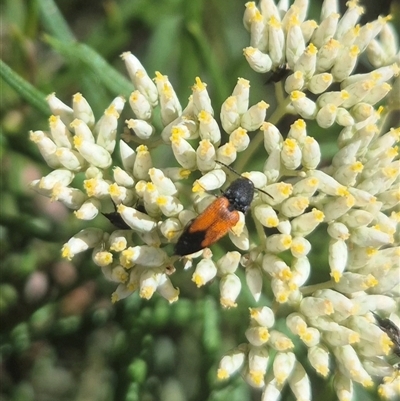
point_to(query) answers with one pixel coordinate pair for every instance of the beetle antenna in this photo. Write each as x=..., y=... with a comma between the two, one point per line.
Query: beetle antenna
x=234, y=171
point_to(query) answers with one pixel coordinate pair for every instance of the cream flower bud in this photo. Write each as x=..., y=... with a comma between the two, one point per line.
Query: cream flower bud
x=258, y=61
x=142, y=129
x=60, y=176
x=291, y=154
x=280, y=341
x=272, y=166
x=93, y=153
x=377, y=93
x=118, y=240
x=325, y=30
x=138, y=221
x=300, y=247
x=283, y=365
x=319, y=83
x=254, y=280
x=276, y=267
x=353, y=282
x=365, y=303
x=149, y=281
x=318, y=357
x=338, y=230
x=208, y=128
x=82, y=241
x=294, y=82
x=140, y=106
x=104, y=258
x=143, y=255
x=46, y=146
x=311, y=153
x=303, y=105
x=230, y=286
x=60, y=133
x=362, y=111
x=349, y=19
x=337, y=207
x=183, y=152
x=205, y=272
x=122, y=178
x=70, y=159
x=349, y=359
x=335, y=98
x=201, y=99
x=72, y=198
x=299, y=382
x=276, y=41
x=60, y=109
x=128, y=156
x=295, y=44
x=82, y=130
x=170, y=107
x=142, y=163
x=263, y=316
x=297, y=324
x=343, y=117
x=307, y=62
x=164, y=184
x=89, y=209
x=231, y=362
x=82, y=110
x=258, y=364
x=239, y=139
x=307, y=222
x=120, y=194
x=106, y=128
x=252, y=119
x=294, y=206
x=169, y=205
x=301, y=269
x=272, y=391
x=97, y=188
x=258, y=32
x=345, y=63
x=312, y=306
x=277, y=243
x=257, y=336
x=210, y=181
x=266, y=215
x=307, y=28
x=305, y=187
x=326, y=116
x=370, y=236
x=328, y=184
x=251, y=10
x=327, y=55
x=123, y=291
x=170, y=228
x=242, y=93
x=239, y=234
x=116, y=274
x=272, y=137
x=167, y=290
x=139, y=77
x=228, y=263
x=226, y=153
x=230, y=117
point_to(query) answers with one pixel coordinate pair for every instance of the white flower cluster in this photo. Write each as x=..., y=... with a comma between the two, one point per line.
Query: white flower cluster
x=355, y=197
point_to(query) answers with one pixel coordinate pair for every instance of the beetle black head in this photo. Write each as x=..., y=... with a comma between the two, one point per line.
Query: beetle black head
x=240, y=194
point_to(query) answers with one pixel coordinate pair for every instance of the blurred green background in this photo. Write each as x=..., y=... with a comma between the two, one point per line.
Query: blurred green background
x=61, y=339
